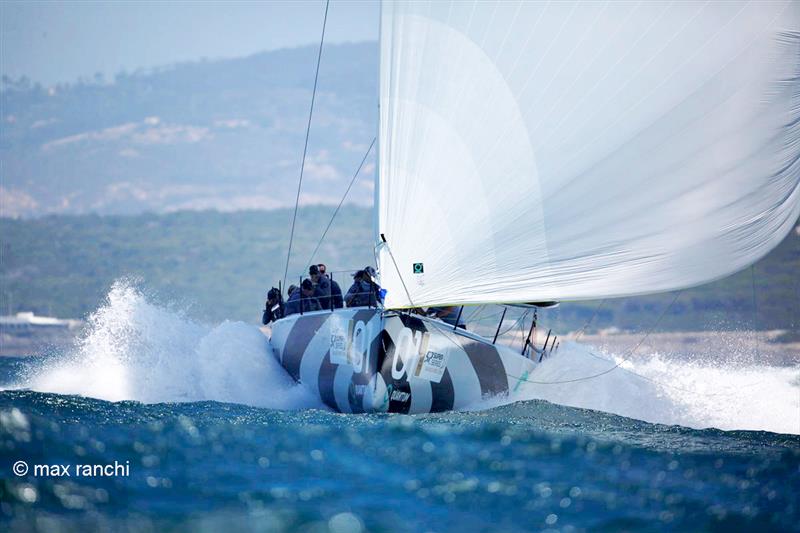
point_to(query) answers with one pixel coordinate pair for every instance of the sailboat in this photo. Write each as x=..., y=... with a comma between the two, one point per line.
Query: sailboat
x=539, y=152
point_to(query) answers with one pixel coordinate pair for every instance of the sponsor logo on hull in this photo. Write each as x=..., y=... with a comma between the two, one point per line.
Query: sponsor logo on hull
x=395, y=362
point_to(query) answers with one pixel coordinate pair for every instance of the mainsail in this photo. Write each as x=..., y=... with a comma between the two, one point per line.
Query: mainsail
x=537, y=151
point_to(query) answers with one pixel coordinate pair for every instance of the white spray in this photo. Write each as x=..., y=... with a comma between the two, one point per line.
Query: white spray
x=663, y=390
x=135, y=350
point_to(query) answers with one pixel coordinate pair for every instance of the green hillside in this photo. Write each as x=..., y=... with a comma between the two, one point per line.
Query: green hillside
x=219, y=265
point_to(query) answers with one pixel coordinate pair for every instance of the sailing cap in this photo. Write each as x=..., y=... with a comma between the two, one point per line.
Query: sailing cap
x=307, y=285
x=313, y=270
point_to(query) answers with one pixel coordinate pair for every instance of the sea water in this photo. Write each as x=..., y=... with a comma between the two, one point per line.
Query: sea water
x=190, y=427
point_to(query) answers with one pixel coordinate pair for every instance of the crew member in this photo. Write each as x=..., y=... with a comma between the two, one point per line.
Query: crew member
x=370, y=277
x=273, y=308
x=303, y=298
x=290, y=290
x=360, y=293
x=322, y=286
x=336, y=291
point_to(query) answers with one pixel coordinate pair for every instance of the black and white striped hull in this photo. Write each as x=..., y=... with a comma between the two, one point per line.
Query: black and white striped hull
x=365, y=360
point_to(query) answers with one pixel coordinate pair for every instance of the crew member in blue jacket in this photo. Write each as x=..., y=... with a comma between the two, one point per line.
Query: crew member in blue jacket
x=360, y=293
x=303, y=298
x=324, y=282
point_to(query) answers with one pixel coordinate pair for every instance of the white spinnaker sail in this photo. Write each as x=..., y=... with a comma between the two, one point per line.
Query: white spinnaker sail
x=535, y=151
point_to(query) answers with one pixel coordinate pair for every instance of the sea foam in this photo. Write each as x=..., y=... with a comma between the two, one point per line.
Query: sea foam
x=659, y=389
x=133, y=349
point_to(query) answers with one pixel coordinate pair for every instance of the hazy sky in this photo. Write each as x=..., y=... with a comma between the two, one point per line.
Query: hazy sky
x=59, y=41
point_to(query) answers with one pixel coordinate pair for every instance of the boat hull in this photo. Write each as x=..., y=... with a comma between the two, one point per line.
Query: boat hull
x=367, y=360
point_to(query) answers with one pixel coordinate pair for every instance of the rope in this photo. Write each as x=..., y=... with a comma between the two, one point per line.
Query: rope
x=446, y=333
x=651, y=380
x=483, y=318
x=521, y=318
x=457, y=343
x=473, y=314
x=305, y=147
x=408, y=294
x=336, y=212
x=622, y=360
x=583, y=329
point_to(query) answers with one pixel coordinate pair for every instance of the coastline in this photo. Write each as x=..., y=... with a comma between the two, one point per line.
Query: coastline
x=743, y=347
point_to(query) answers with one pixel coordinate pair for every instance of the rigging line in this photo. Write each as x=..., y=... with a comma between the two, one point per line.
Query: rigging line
x=411, y=301
x=522, y=333
x=521, y=318
x=457, y=343
x=651, y=380
x=623, y=359
x=305, y=147
x=482, y=318
x=583, y=329
x=336, y=211
x=475, y=314
x=408, y=295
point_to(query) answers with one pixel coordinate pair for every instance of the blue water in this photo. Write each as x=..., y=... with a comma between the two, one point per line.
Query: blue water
x=216, y=438
x=527, y=466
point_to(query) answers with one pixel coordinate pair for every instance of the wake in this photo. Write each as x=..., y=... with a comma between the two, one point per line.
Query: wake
x=662, y=390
